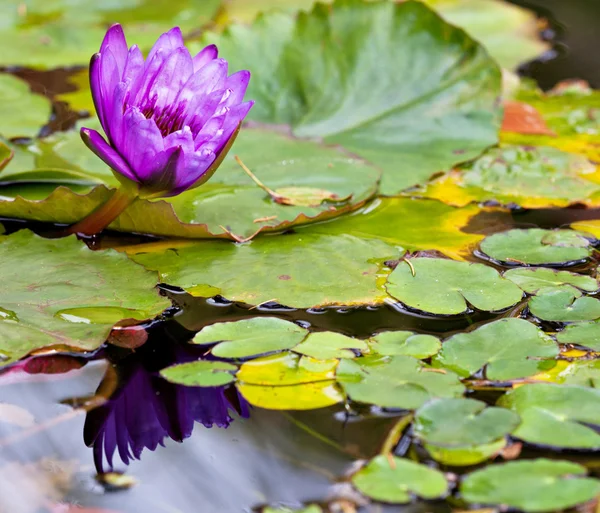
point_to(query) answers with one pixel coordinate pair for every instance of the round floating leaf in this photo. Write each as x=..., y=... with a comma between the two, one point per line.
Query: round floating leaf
x=395, y=381
x=556, y=415
x=585, y=373
x=22, y=113
x=535, y=485
x=203, y=373
x=62, y=294
x=313, y=508
x=297, y=270
x=406, y=343
x=586, y=334
x=230, y=203
x=564, y=304
x=531, y=177
x=446, y=287
x=537, y=247
x=288, y=381
x=250, y=337
x=431, y=106
x=508, y=349
x=396, y=480
x=531, y=280
x=326, y=344
x=463, y=431
x=414, y=224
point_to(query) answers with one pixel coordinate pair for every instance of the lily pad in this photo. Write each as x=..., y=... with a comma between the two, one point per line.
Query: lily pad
x=432, y=105
x=447, y=287
x=535, y=246
x=463, y=431
x=297, y=270
x=532, y=280
x=412, y=223
x=397, y=480
x=230, y=203
x=586, y=334
x=289, y=381
x=312, y=508
x=564, y=304
x=585, y=373
x=556, y=415
x=531, y=177
x=22, y=113
x=417, y=345
x=202, y=373
x=535, y=485
x=395, y=381
x=251, y=337
x=62, y=294
x=326, y=344
x=505, y=349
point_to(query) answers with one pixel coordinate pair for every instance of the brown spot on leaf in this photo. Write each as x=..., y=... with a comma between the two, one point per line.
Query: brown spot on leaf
x=522, y=118
x=284, y=277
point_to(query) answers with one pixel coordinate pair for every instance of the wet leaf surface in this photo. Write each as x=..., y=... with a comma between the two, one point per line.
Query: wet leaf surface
x=556, y=415
x=325, y=345
x=396, y=480
x=586, y=334
x=452, y=89
x=564, y=304
x=407, y=343
x=395, y=381
x=532, y=280
x=447, y=287
x=296, y=270
x=67, y=295
x=536, y=485
x=535, y=246
x=203, y=373
x=505, y=349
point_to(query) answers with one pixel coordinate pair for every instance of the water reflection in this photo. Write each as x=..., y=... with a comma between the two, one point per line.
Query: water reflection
x=142, y=410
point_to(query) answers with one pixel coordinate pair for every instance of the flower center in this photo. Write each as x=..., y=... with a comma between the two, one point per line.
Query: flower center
x=168, y=119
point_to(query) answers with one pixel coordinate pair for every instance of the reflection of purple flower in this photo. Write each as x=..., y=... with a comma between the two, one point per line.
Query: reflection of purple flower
x=169, y=118
x=145, y=410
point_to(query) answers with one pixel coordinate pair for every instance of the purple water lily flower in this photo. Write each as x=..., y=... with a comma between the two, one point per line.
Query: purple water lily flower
x=169, y=119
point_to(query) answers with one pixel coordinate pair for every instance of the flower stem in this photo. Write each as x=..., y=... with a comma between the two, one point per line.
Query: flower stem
x=394, y=435
x=106, y=213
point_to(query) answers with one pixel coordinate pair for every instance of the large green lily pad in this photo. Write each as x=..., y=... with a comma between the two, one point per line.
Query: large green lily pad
x=564, y=304
x=289, y=381
x=533, y=279
x=22, y=113
x=297, y=270
x=251, y=337
x=412, y=112
x=463, y=431
x=535, y=246
x=446, y=287
x=535, y=485
x=505, y=349
x=556, y=415
x=397, y=480
x=59, y=293
x=230, y=202
x=395, y=381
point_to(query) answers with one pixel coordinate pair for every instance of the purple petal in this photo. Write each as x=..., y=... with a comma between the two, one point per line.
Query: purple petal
x=142, y=144
x=204, y=56
x=96, y=87
x=181, y=138
x=114, y=114
x=115, y=40
x=209, y=130
x=202, y=108
x=171, y=77
x=203, y=82
x=167, y=42
x=95, y=142
x=237, y=85
x=190, y=168
x=134, y=70
x=109, y=79
x=151, y=69
x=234, y=117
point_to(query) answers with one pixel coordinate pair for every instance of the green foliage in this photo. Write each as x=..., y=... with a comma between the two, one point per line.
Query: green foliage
x=203, y=373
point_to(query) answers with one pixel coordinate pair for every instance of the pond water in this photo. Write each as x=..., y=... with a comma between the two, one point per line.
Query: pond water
x=206, y=449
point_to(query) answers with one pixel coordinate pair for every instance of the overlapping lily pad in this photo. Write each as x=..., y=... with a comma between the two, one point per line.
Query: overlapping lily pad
x=297, y=270
x=535, y=485
x=564, y=304
x=535, y=246
x=397, y=480
x=289, y=381
x=230, y=202
x=443, y=85
x=447, y=287
x=556, y=415
x=533, y=279
x=505, y=349
x=463, y=431
x=396, y=381
x=62, y=294
x=22, y=113
x=251, y=337
x=586, y=334
x=202, y=373
x=326, y=344
x=390, y=343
